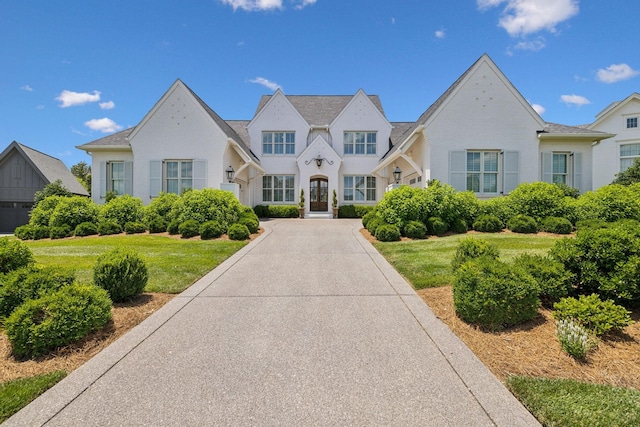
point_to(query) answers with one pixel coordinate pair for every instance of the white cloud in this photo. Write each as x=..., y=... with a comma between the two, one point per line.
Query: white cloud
x=538, y=108
x=266, y=83
x=262, y=5
x=523, y=17
x=531, y=45
x=615, y=73
x=68, y=98
x=27, y=88
x=107, y=105
x=440, y=34
x=104, y=125
x=575, y=100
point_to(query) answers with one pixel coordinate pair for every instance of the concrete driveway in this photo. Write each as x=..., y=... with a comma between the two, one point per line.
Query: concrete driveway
x=306, y=326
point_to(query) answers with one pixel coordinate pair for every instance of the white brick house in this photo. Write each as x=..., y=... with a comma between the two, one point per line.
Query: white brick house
x=480, y=135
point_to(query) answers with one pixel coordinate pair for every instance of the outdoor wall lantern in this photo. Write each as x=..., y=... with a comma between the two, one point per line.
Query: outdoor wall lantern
x=318, y=161
x=397, y=174
x=230, y=173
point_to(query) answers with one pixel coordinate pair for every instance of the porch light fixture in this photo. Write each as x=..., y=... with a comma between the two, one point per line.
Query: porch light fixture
x=318, y=161
x=230, y=173
x=397, y=174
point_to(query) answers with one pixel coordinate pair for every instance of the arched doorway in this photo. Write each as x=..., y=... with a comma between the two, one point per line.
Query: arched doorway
x=319, y=195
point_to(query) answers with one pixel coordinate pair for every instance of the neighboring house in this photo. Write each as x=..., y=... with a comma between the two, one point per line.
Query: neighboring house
x=23, y=171
x=480, y=135
x=617, y=154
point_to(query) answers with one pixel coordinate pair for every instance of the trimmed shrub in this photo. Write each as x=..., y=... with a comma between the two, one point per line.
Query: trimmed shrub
x=591, y=223
x=553, y=280
x=347, y=211
x=436, y=226
x=471, y=248
x=487, y=224
x=459, y=226
x=211, y=230
x=568, y=191
x=157, y=225
x=499, y=207
x=283, y=211
x=538, y=200
x=592, y=313
x=557, y=225
x=72, y=211
x=368, y=217
x=251, y=221
x=86, y=229
x=415, y=230
x=522, y=224
x=13, y=255
x=493, y=294
x=373, y=224
x=402, y=205
x=57, y=319
x=388, y=233
x=440, y=201
x=238, y=232
x=24, y=232
x=466, y=208
x=160, y=207
x=54, y=188
x=207, y=205
x=174, y=227
x=134, y=228
x=122, y=273
x=123, y=209
x=261, y=211
x=60, y=232
x=41, y=214
x=609, y=203
x=29, y=283
x=109, y=227
x=189, y=228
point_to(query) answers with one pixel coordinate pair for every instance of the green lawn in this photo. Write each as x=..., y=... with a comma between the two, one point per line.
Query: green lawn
x=427, y=263
x=16, y=394
x=174, y=264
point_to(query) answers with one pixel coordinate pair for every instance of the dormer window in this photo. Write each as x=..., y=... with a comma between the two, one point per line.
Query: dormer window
x=632, y=122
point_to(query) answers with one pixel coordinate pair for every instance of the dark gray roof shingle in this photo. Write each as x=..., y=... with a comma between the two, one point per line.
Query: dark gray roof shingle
x=558, y=129
x=115, y=140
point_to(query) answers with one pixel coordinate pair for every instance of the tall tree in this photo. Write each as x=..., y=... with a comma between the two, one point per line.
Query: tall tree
x=82, y=172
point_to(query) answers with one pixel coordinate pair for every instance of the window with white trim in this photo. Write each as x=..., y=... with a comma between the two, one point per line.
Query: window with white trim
x=278, y=188
x=359, y=188
x=178, y=176
x=628, y=153
x=632, y=122
x=560, y=169
x=482, y=171
x=279, y=143
x=115, y=177
x=360, y=143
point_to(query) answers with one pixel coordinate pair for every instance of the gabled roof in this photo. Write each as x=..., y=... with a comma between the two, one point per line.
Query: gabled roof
x=49, y=167
x=612, y=108
x=320, y=110
x=115, y=140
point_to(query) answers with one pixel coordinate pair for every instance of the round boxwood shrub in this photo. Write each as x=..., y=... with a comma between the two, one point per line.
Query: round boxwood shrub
x=368, y=217
x=472, y=248
x=122, y=273
x=591, y=223
x=109, y=227
x=160, y=207
x=211, y=230
x=415, y=230
x=174, y=227
x=437, y=226
x=553, y=280
x=13, y=255
x=493, y=294
x=373, y=224
x=459, y=226
x=122, y=209
x=86, y=229
x=72, y=211
x=207, y=205
x=134, y=228
x=388, y=233
x=60, y=232
x=157, y=225
x=522, y=224
x=57, y=319
x=189, y=228
x=487, y=224
x=29, y=283
x=251, y=221
x=557, y=225
x=24, y=232
x=238, y=232
x=41, y=214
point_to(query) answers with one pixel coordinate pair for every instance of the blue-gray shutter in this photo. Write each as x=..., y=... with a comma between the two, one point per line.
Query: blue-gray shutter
x=155, y=178
x=511, y=176
x=547, y=167
x=199, y=174
x=577, y=172
x=128, y=178
x=458, y=170
x=103, y=180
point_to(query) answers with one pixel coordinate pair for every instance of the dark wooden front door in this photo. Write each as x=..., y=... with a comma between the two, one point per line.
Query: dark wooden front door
x=319, y=195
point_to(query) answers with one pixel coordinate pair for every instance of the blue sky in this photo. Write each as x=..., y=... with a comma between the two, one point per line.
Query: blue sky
x=73, y=72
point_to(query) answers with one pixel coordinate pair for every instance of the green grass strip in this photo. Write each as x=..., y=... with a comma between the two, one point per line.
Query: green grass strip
x=569, y=403
x=16, y=394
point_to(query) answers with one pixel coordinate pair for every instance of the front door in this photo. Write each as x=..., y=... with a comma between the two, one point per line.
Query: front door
x=319, y=195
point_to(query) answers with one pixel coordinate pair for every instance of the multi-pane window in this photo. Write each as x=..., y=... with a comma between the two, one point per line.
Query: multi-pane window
x=178, y=176
x=278, y=188
x=628, y=153
x=360, y=143
x=359, y=188
x=560, y=169
x=482, y=171
x=632, y=122
x=115, y=177
x=278, y=143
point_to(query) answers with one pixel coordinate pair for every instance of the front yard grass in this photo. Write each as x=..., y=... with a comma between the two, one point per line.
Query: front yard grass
x=16, y=394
